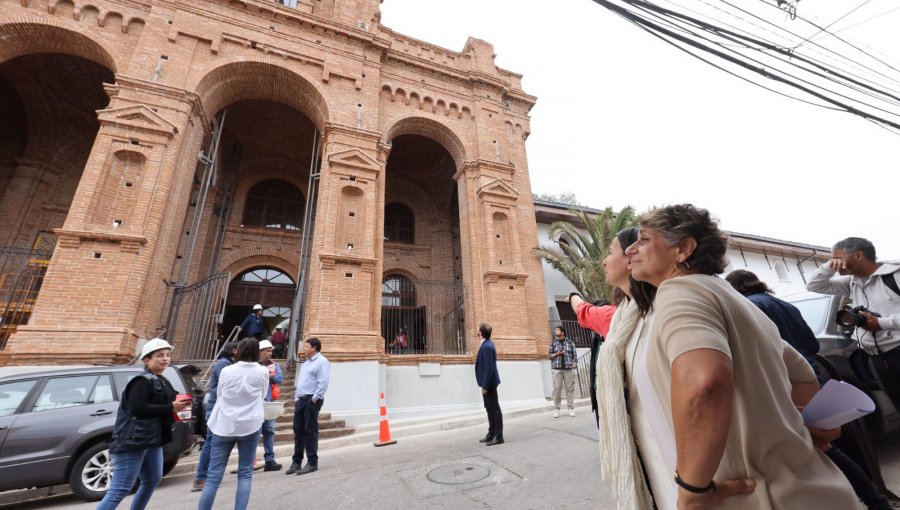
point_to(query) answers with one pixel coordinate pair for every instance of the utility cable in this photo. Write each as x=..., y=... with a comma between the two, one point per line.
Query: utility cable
x=832, y=24
x=724, y=56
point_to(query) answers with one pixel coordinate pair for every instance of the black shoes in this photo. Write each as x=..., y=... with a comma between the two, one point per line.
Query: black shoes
x=272, y=466
x=293, y=469
x=307, y=469
x=495, y=440
x=486, y=438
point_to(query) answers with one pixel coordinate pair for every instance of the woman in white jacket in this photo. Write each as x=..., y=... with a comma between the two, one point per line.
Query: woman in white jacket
x=236, y=420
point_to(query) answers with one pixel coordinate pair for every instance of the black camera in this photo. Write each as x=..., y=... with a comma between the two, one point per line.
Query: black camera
x=852, y=317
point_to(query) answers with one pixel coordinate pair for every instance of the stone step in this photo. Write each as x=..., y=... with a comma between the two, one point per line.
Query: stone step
x=288, y=435
x=323, y=424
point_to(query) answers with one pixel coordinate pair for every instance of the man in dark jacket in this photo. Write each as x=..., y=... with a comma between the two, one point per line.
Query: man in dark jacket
x=253, y=324
x=488, y=379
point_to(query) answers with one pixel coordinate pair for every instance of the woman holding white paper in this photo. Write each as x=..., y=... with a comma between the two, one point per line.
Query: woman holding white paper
x=720, y=377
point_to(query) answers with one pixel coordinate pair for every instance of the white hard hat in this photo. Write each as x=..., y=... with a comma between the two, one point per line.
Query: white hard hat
x=153, y=346
x=257, y=307
x=265, y=344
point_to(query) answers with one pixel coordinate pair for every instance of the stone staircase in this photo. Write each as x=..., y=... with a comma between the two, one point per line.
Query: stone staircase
x=284, y=432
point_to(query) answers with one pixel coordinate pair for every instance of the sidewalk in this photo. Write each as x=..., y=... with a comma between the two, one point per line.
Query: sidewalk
x=368, y=433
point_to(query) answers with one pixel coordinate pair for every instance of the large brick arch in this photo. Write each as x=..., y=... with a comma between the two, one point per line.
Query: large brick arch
x=239, y=79
x=430, y=128
x=29, y=36
x=238, y=261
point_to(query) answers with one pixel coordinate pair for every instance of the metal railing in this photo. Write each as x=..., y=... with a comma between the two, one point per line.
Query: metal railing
x=433, y=320
x=21, y=275
x=584, y=375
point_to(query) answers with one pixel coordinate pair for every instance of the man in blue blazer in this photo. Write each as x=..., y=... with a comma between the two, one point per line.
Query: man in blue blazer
x=488, y=379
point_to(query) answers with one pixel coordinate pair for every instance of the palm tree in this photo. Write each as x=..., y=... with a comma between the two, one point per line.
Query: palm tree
x=579, y=256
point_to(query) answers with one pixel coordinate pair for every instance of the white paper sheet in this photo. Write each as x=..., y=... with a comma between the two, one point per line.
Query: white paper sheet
x=835, y=404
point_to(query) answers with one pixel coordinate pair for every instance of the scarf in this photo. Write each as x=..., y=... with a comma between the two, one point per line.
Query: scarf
x=619, y=462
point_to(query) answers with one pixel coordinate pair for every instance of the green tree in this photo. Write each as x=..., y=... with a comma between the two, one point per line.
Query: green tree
x=580, y=248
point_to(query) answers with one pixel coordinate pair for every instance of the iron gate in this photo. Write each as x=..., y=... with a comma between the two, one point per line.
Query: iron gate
x=195, y=317
x=21, y=275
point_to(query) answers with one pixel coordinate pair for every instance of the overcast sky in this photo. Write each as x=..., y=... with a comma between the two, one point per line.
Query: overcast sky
x=625, y=119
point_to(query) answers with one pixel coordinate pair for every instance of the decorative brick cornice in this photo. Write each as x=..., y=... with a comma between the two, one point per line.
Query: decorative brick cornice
x=496, y=276
x=475, y=168
x=138, y=116
x=73, y=238
x=329, y=260
x=177, y=94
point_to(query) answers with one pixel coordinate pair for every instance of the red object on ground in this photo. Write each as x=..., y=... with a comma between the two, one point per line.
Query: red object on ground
x=384, y=431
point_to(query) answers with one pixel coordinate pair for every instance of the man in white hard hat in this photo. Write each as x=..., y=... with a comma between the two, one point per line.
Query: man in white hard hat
x=268, y=427
x=254, y=325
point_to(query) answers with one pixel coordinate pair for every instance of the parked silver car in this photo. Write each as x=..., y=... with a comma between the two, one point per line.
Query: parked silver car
x=55, y=423
x=840, y=355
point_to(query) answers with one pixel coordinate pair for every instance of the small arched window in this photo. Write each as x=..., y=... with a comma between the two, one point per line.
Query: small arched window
x=398, y=291
x=782, y=271
x=399, y=223
x=274, y=204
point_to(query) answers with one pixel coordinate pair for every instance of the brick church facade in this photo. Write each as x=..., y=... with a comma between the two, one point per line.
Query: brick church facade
x=180, y=162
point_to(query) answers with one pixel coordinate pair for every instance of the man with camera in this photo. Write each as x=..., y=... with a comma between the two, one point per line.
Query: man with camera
x=873, y=287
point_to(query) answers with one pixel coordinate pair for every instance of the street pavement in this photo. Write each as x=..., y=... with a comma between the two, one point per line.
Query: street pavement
x=546, y=462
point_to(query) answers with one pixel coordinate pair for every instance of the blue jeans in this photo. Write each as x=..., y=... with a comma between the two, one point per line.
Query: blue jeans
x=268, y=434
x=218, y=459
x=127, y=466
x=203, y=461
x=306, y=430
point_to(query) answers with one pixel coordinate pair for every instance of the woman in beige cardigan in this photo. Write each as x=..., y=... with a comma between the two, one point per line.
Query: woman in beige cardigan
x=716, y=380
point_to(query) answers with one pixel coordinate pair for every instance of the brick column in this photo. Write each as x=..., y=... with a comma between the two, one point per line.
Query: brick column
x=105, y=287
x=343, y=307
x=498, y=259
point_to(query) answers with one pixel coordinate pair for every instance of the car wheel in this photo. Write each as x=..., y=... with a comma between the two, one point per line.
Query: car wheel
x=91, y=473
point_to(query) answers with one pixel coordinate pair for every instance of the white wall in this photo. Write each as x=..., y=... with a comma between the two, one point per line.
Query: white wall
x=427, y=389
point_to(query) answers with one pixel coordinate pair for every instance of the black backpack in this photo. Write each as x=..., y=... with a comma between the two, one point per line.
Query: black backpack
x=891, y=282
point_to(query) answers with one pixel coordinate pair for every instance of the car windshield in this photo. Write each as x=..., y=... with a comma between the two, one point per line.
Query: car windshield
x=814, y=311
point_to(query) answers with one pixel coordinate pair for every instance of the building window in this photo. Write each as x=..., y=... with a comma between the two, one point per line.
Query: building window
x=781, y=271
x=398, y=291
x=399, y=224
x=402, y=322
x=265, y=275
x=274, y=204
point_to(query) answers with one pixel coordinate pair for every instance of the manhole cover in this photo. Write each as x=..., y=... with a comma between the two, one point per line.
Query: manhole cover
x=458, y=473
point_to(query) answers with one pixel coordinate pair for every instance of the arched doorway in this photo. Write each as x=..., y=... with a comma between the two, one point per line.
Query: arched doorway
x=48, y=123
x=400, y=311
x=421, y=226
x=267, y=286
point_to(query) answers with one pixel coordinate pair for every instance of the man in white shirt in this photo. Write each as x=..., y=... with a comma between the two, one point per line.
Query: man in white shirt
x=311, y=386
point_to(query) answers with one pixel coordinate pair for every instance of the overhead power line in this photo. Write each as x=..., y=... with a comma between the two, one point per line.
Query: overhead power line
x=737, y=42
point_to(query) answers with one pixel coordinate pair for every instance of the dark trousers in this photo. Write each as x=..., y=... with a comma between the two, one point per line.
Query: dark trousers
x=306, y=430
x=862, y=486
x=495, y=417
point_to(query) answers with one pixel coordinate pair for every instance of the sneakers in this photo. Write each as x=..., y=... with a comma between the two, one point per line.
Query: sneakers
x=293, y=469
x=198, y=485
x=271, y=465
x=572, y=413
x=556, y=413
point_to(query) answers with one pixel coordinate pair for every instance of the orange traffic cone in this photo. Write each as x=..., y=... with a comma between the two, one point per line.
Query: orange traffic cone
x=384, y=431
